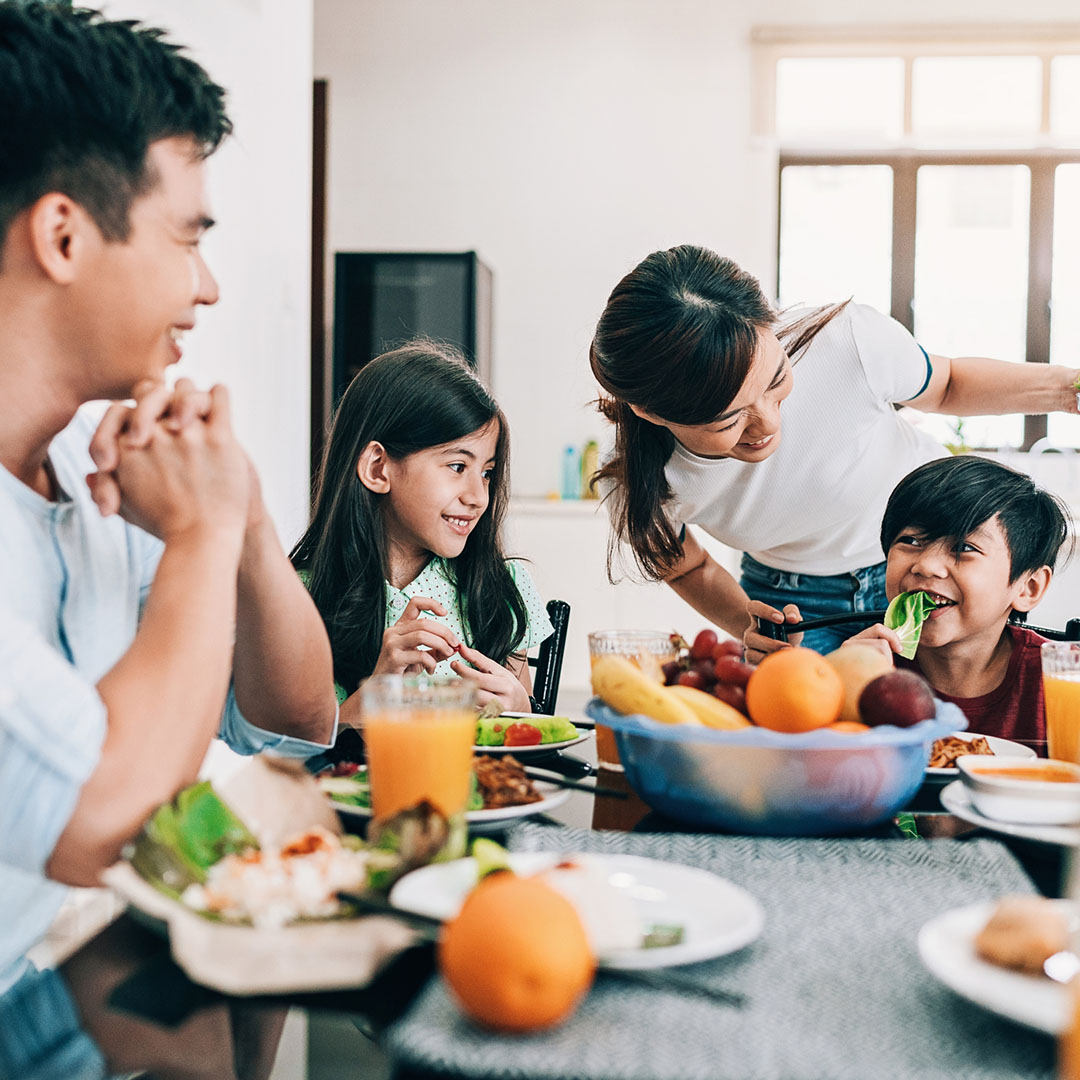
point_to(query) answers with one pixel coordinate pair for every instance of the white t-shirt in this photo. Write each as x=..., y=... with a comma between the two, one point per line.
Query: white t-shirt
x=815, y=505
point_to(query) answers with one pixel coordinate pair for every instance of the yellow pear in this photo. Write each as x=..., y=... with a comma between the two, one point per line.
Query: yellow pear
x=857, y=664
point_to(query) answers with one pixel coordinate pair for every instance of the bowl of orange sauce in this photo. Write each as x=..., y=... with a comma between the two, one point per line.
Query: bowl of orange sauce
x=1043, y=791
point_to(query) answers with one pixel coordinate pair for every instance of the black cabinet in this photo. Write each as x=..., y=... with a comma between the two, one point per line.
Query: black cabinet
x=382, y=299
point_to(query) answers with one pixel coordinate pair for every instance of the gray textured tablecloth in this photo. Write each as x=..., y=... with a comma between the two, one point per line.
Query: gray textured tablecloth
x=835, y=985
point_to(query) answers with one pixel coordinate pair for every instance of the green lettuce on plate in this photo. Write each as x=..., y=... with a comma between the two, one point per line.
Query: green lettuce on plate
x=491, y=730
x=185, y=837
x=906, y=615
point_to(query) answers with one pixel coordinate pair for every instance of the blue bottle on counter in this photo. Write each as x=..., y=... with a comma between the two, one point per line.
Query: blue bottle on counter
x=571, y=473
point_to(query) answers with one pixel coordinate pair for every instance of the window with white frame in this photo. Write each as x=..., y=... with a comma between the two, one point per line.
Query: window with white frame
x=935, y=175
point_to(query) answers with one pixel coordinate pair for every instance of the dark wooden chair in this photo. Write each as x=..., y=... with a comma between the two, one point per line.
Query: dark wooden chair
x=548, y=661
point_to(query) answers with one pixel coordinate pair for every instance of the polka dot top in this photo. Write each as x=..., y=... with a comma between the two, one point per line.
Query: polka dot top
x=435, y=583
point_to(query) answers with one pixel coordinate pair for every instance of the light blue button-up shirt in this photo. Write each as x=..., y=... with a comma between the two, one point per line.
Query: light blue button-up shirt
x=72, y=586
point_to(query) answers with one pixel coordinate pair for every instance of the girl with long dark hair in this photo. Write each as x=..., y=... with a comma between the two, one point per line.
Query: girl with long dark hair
x=698, y=369
x=404, y=555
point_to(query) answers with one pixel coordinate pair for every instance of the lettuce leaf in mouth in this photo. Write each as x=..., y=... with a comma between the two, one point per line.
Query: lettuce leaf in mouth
x=906, y=615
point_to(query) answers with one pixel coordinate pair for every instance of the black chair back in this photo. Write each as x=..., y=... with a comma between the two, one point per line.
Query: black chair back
x=548, y=661
x=1070, y=633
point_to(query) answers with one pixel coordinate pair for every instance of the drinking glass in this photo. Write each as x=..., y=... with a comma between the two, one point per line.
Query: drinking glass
x=650, y=650
x=419, y=733
x=1061, y=689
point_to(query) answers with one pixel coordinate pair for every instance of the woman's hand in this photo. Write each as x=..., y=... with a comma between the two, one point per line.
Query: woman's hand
x=757, y=645
x=492, y=681
x=401, y=653
x=878, y=636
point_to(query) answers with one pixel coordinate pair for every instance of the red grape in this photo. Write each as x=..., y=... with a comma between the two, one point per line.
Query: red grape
x=672, y=669
x=692, y=678
x=735, y=696
x=703, y=645
x=732, y=671
x=706, y=669
x=728, y=647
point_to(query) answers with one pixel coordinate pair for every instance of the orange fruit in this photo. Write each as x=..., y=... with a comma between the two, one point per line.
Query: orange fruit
x=516, y=956
x=852, y=727
x=794, y=690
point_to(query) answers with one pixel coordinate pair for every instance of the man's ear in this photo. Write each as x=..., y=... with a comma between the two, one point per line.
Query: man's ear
x=59, y=231
x=373, y=468
x=1032, y=588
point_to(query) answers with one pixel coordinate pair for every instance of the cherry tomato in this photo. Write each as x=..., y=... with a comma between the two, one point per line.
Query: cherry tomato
x=703, y=645
x=522, y=735
x=732, y=671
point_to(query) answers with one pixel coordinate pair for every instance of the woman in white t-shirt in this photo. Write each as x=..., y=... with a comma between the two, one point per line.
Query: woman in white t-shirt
x=698, y=370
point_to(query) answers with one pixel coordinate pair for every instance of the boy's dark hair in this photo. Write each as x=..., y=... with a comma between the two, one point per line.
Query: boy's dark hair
x=410, y=399
x=951, y=497
x=82, y=98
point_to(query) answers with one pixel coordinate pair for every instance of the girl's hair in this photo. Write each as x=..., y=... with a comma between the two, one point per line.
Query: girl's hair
x=418, y=396
x=676, y=339
x=948, y=499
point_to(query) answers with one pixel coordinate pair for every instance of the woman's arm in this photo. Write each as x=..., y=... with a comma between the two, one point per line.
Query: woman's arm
x=709, y=589
x=976, y=386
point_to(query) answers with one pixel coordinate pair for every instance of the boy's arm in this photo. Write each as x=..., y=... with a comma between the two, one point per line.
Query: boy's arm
x=283, y=675
x=975, y=386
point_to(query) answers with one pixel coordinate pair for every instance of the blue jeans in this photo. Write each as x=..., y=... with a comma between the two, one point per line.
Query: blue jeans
x=817, y=595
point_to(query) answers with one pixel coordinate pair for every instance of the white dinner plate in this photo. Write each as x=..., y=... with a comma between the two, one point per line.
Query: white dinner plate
x=539, y=748
x=1005, y=748
x=717, y=916
x=956, y=799
x=946, y=946
x=481, y=821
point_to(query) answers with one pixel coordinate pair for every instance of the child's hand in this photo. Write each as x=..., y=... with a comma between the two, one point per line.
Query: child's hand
x=492, y=681
x=880, y=637
x=758, y=646
x=401, y=653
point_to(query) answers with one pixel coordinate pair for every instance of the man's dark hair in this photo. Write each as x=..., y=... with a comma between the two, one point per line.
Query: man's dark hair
x=950, y=498
x=81, y=100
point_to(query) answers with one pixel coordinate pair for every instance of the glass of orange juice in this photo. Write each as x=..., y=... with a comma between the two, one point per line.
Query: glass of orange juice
x=650, y=650
x=1061, y=689
x=419, y=734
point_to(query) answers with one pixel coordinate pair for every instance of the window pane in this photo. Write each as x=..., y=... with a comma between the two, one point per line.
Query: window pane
x=969, y=96
x=971, y=267
x=836, y=234
x=858, y=98
x=1064, y=290
x=1064, y=96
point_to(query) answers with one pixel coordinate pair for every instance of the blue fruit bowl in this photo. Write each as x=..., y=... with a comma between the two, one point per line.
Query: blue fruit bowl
x=755, y=780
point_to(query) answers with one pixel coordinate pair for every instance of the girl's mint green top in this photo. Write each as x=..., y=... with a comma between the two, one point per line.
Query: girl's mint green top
x=435, y=583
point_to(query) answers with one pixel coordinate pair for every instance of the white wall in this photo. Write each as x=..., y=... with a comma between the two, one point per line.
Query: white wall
x=256, y=340
x=564, y=140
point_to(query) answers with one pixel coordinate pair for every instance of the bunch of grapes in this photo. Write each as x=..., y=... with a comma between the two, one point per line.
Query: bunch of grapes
x=715, y=666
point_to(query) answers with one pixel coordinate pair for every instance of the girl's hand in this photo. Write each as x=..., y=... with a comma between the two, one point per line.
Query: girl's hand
x=880, y=637
x=492, y=681
x=401, y=653
x=757, y=645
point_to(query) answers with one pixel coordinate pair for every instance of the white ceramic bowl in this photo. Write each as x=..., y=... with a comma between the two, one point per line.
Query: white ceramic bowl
x=1012, y=791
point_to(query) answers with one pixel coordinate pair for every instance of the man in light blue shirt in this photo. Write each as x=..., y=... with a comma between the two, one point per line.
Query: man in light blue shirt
x=146, y=610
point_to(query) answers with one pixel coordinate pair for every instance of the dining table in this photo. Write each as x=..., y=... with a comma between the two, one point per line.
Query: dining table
x=832, y=988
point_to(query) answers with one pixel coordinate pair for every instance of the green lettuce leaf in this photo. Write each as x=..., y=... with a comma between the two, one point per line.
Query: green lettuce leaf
x=905, y=615
x=184, y=838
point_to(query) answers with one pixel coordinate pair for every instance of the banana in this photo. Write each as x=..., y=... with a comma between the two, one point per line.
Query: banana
x=710, y=711
x=626, y=688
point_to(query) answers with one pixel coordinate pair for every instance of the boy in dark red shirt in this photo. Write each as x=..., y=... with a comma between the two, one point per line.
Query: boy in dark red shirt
x=982, y=539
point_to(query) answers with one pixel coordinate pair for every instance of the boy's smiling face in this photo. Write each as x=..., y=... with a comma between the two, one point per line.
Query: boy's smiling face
x=969, y=579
